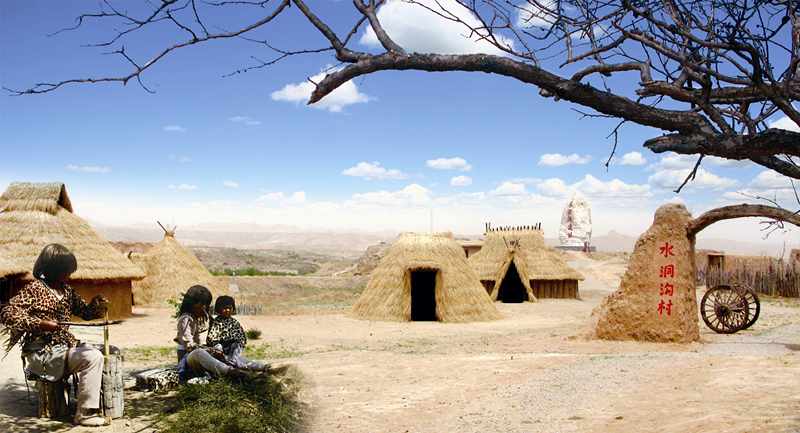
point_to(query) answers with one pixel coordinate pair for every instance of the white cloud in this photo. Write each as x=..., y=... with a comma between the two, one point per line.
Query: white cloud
x=174, y=128
x=633, y=158
x=674, y=161
x=414, y=195
x=554, y=188
x=509, y=188
x=279, y=199
x=230, y=184
x=532, y=15
x=526, y=180
x=88, y=169
x=616, y=188
x=459, y=164
x=672, y=179
x=346, y=94
x=727, y=163
x=184, y=187
x=592, y=187
x=557, y=159
x=420, y=30
x=461, y=181
x=244, y=119
x=769, y=179
x=785, y=123
x=178, y=158
x=373, y=171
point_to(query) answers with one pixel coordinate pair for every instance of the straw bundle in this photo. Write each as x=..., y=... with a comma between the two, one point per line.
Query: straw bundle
x=33, y=215
x=534, y=261
x=171, y=269
x=458, y=293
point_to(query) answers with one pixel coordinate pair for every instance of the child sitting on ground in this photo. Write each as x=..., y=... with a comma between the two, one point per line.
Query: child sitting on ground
x=227, y=335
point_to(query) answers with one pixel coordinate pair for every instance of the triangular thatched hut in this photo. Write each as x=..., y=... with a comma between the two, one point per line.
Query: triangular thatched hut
x=34, y=215
x=171, y=269
x=424, y=276
x=515, y=265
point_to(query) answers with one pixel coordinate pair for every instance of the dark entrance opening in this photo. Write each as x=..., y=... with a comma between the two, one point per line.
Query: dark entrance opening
x=423, y=295
x=511, y=289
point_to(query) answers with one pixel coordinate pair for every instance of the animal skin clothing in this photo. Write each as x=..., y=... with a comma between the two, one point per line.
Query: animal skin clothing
x=35, y=302
x=22, y=315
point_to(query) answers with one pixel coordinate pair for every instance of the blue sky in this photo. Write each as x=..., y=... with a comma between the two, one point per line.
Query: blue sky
x=385, y=152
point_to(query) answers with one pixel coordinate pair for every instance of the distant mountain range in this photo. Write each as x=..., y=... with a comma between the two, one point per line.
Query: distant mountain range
x=282, y=237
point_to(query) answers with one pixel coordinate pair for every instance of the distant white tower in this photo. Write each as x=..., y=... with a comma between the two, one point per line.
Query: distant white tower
x=576, y=223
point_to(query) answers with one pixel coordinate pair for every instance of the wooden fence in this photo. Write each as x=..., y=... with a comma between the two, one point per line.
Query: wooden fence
x=249, y=310
x=773, y=280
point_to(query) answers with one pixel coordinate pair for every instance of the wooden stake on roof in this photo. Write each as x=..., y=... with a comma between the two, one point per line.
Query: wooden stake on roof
x=171, y=233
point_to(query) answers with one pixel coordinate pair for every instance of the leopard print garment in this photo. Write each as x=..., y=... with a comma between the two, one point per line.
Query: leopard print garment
x=226, y=330
x=34, y=302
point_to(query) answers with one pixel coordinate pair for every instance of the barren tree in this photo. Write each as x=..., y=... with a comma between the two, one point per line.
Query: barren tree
x=710, y=73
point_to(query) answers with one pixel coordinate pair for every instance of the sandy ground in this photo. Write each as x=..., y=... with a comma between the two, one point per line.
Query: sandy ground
x=530, y=372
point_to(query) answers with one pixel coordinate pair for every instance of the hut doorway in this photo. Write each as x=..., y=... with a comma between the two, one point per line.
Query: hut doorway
x=423, y=295
x=511, y=288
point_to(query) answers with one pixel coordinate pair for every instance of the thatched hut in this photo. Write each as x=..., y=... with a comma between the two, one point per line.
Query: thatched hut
x=10, y=273
x=424, y=276
x=515, y=265
x=171, y=269
x=33, y=215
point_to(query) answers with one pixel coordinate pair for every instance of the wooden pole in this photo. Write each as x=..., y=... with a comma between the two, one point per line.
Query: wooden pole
x=104, y=305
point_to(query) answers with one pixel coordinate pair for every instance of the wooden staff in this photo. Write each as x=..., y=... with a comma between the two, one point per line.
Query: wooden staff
x=112, y=322
x=104, y=305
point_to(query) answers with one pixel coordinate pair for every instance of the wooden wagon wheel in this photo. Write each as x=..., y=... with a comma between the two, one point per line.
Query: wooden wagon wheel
x=724, y=309
x=753, y=303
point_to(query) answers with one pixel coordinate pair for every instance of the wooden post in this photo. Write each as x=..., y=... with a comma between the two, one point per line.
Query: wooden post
x=113, y=402
x=53, y=398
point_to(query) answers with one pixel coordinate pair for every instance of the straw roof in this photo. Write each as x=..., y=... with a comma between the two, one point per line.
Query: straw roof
x=459, y=295
x=34, y=215
x=10, y=267
x=525, y=247
x=171, y=269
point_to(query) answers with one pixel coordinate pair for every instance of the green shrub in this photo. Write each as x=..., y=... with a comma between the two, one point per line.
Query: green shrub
x=264, y=403
x=253, y=334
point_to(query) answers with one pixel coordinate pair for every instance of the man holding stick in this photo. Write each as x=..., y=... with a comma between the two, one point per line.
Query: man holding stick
x=39, y=316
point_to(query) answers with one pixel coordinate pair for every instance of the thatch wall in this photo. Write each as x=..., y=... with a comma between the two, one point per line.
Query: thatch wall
x=458, y=293
x=171, y=269
x=542, y=272
x=34, y=215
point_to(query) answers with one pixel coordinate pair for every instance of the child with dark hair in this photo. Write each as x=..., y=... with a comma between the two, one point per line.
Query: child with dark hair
x=193, y=326
x=227, y=335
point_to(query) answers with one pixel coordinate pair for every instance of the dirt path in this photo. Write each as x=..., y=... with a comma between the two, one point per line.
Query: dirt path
x=530, y=372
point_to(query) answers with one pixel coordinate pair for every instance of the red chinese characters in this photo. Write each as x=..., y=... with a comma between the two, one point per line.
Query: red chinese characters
x=666, y=250
x=666, y=271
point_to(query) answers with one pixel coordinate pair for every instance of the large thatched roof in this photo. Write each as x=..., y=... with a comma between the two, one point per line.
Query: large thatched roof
x=459, y=295
x=11, y=267
x=525, y=248
x=171, y=269
x=34, y=215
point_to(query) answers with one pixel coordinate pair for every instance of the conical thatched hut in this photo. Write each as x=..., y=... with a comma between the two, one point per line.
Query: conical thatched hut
x=171, y=269
x=424, y=276
x=34, y=215
x=515, y=265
